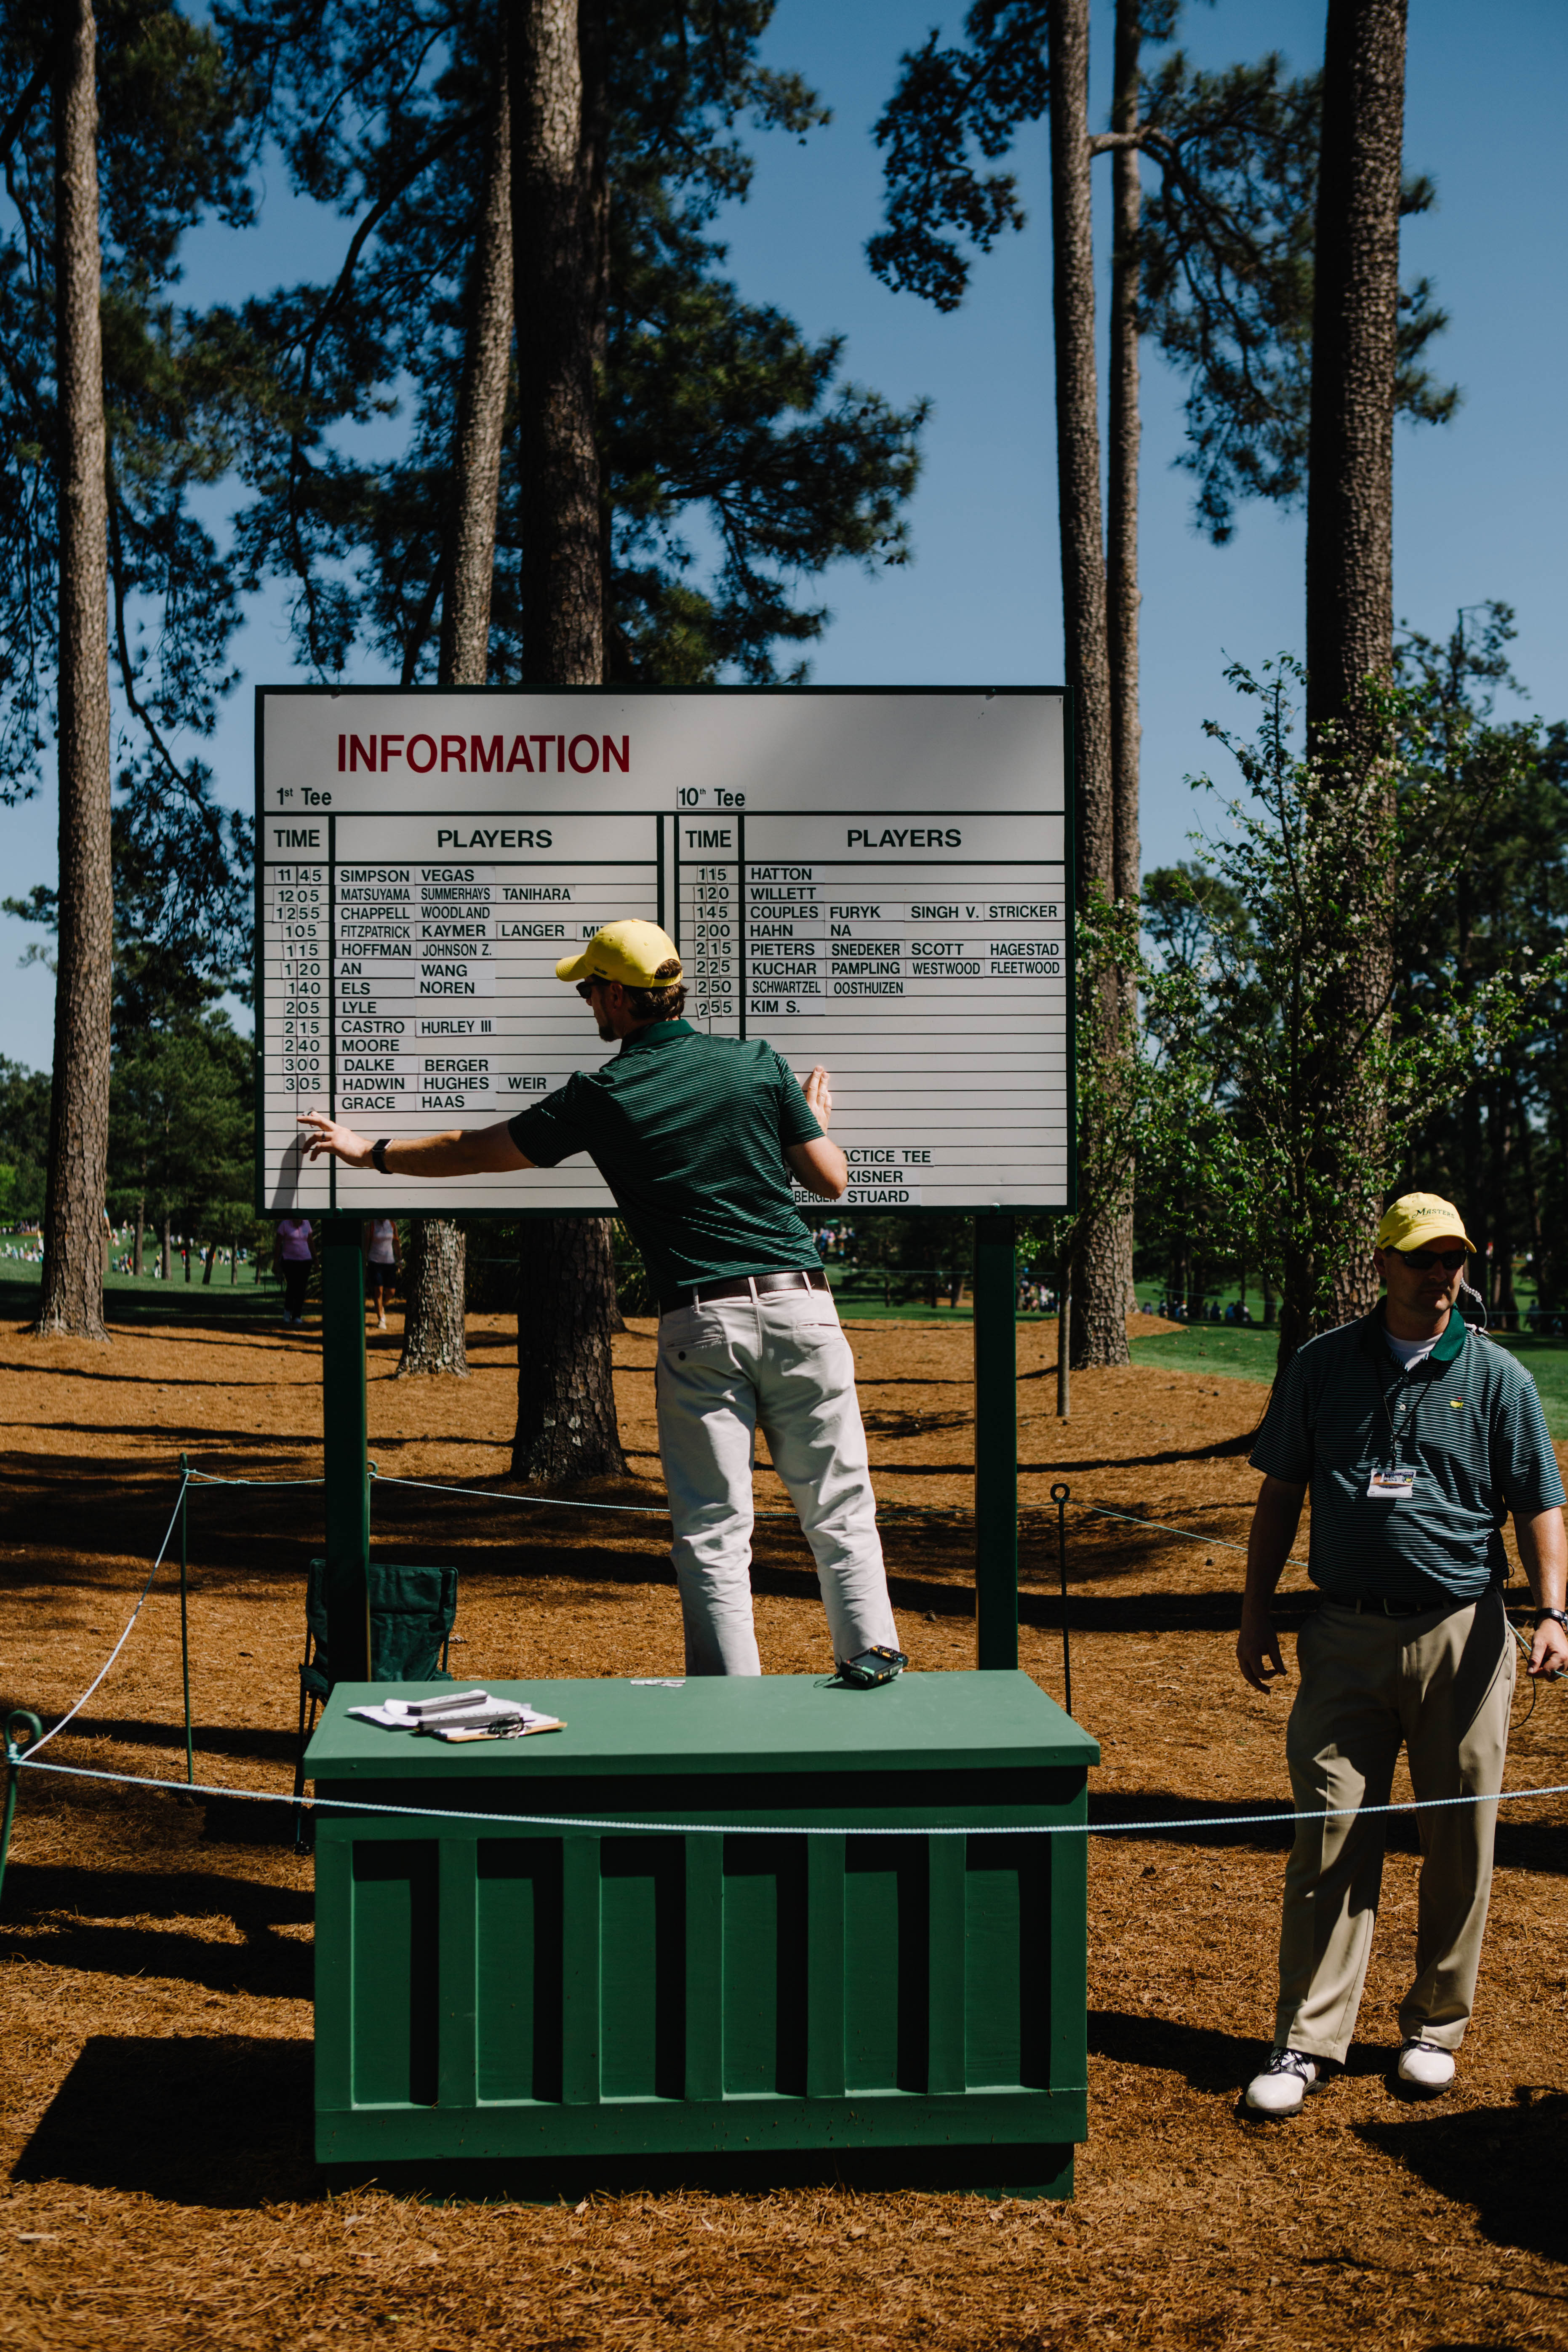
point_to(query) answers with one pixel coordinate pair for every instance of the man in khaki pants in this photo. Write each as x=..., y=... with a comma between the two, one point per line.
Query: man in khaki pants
x=1416, y=1437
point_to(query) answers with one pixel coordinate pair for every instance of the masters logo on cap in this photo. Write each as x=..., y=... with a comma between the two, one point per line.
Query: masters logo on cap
x=1416, y=1219
x=639, y=955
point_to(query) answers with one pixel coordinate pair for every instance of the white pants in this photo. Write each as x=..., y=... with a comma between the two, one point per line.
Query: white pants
x=781, y=1362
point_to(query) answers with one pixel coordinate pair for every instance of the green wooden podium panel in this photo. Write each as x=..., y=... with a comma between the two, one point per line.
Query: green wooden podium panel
x=599, y=2005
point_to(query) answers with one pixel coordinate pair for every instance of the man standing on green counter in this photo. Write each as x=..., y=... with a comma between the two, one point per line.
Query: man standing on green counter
x=1417, y=1437
x=698, y=1137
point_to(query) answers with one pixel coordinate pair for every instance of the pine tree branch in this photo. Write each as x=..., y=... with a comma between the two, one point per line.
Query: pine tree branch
x=18, y=115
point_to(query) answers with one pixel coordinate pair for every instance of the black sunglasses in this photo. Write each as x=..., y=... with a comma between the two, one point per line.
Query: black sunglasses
x=1424, y=1260
x=585, y=988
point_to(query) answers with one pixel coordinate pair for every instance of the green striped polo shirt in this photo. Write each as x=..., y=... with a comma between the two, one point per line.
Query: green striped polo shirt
x=1467, y=1419
x=689, y=1132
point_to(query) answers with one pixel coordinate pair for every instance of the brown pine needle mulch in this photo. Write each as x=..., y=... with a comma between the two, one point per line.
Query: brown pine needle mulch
x=155, y=1962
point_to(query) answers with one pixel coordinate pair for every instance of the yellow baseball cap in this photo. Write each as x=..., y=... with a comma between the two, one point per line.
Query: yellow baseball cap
x=639, y=955
x=1418, y=1218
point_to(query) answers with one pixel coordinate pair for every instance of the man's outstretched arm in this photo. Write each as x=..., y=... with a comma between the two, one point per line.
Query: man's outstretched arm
x=460, y=1151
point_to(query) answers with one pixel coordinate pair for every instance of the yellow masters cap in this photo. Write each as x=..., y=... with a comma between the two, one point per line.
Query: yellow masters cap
x=1418, y=1218
x=639, y=955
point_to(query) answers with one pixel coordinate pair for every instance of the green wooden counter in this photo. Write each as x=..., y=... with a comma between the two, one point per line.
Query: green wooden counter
x=607, y=2005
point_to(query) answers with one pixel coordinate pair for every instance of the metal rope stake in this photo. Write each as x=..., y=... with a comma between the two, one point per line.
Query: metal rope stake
x=185, y=1620
x=1061, y=1495
x=15, y=1749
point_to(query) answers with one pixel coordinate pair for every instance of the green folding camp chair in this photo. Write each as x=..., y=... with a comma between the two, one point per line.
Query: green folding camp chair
x=411, y=1611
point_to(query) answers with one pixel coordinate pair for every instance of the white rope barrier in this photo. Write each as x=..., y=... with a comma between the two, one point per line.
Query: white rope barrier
x=783, y=1829
x=131, y=1620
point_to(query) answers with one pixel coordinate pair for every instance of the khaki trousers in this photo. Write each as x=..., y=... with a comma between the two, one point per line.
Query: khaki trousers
x=779, y=1362
x=1442, y=1685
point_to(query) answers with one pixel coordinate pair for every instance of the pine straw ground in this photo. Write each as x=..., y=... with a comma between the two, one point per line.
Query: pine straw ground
x=156, y=1972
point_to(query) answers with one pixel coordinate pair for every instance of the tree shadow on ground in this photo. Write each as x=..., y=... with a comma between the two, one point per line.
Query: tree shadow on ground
x=108, y=1923
x=1537, y=1846
x=212, y=1739
x=195, y=2119
x=35, y=1889
x=1505, y=2162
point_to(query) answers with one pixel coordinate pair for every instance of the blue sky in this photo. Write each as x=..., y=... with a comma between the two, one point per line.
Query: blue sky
x=1479, y=503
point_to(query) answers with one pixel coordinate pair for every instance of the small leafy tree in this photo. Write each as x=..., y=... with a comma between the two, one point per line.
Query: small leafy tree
x=1259, y=1094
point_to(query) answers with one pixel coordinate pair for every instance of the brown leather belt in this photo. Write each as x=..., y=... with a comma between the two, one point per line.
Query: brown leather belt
x=746, y=1285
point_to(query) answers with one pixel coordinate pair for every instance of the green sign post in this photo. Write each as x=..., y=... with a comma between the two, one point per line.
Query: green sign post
x=995, y=1444
x=345, y=1445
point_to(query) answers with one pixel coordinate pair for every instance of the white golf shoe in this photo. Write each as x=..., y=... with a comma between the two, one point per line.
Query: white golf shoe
x=1281, y=2088
x=1425, y=2067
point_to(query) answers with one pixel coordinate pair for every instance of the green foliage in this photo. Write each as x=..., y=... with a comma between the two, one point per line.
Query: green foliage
x=24, y=1138
x=183, y=912
x=173, y=146
x=181, y=1127
x=1310, y=983
x=736, y=462
x=1227, y=247
x=1227, y=278
x=1112, y=1076
x=1498, y=1150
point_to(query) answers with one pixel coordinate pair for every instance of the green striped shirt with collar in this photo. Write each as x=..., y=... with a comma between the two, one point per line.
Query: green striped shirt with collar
x=1465, y=1419
x=689, y=1133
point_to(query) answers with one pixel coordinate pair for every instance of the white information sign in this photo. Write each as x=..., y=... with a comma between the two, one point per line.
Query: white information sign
x=877, y=881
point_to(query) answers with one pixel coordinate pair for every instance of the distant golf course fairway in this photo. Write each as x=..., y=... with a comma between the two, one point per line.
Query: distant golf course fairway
x=1247, y=1353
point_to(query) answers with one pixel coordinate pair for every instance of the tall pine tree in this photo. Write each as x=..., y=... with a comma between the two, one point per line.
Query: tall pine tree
x=121, y=124
x=683, y=406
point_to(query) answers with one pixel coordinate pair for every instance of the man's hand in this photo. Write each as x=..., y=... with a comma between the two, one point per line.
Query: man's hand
x=329, y=1135
x=1544, y=1550
x=1549, y=1650
x=1257, y=1651
x=820, y=1096
x=460, y=1151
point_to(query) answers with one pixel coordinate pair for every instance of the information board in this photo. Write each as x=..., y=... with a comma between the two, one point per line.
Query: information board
x=877, y=881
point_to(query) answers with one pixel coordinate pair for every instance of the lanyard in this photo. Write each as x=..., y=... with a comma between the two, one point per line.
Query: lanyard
x=1394, y=1435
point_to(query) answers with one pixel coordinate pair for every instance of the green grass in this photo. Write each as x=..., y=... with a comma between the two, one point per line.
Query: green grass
x=128, y=1301
x=1239, y=1351
x=1249, y=1355
x=864, y=1304
x=1547, y=1362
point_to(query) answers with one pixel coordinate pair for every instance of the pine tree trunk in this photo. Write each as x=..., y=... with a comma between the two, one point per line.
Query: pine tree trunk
x=165, y=1259
x=556, y=272
x=435, y=1335
x=565, y=1400
x=1122, y=594
x=140, y=1232
x=71, y=1297
x=1355, y=317
x=481, y=413
x=566, y=1287
x=1350, y=521
x=1100, y=1282
x=435, y=1328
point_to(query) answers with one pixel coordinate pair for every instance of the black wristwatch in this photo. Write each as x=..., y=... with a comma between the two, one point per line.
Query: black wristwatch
x=378, y=1154
x=1556, y=1615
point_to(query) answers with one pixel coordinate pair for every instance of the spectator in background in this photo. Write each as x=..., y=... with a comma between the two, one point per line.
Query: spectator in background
x=295, y=1251
x=383, y=1264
